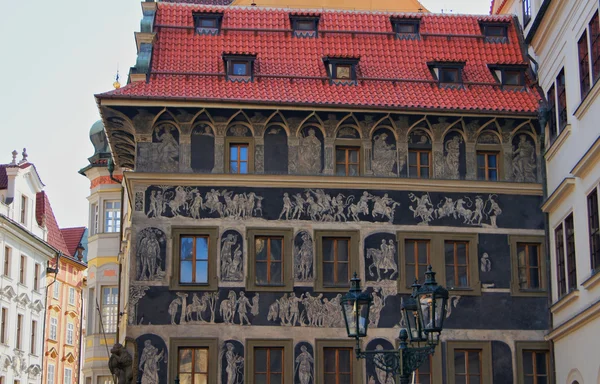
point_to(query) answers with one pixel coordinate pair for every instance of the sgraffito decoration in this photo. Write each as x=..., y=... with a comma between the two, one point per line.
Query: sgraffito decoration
x=152, y=361
x=231, y=357
x=385, y=156
x=232, y=256
x=151, y=251
x=310, y=151
x=304, y=363
x=471, y=213
x=524, y=159
x=381, y=257
x=303, y=257
x=376, y=375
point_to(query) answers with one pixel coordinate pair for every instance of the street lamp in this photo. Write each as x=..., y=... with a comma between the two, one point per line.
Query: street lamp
x=424, y=312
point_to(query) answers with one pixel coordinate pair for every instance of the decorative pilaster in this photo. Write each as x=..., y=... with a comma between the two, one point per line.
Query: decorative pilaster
x=259, y=155
x=368, y=154
x=507, y=150
x=185, y=153
x=329, y=147
x=437, y=149
x=471, y=159
x=293, y=143
x=219, y=154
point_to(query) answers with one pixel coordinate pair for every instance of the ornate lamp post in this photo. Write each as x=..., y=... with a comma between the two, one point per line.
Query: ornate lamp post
x=424, y=313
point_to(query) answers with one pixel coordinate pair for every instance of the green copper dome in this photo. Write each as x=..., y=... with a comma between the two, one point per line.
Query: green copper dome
x=98, y=138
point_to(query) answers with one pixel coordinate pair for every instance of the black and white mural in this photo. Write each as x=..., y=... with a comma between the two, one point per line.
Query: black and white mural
x=232, y=256
x=153, y=357
x=304, y=363
x=232, y=361
x=376, y=375
x=151, y=253
x=381, y=257
x=303, y=257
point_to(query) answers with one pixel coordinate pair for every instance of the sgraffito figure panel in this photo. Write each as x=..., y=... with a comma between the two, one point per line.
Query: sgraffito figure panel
x=151, y=253
x=381, y=257
x=304, y=363
x=232, y=256
x=202, y=149
x=153, y=357
x=231, y=357
x=375, y=374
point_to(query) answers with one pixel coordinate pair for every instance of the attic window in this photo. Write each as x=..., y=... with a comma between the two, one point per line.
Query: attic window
x=208, y=23
x=341, y=71
x=305, y=26
x=406, y=28
x=239, y=67
x=509, y=76
x=447, y=74
x=495, y=32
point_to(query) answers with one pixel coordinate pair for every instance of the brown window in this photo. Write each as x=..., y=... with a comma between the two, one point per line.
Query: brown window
x=36, y=277
x=336, y=261
x=193, y=261
x=593, y=223
x=22, y=265
x=551, y=97
x=561, y=276
x=584, y=64
x=238, y=158
x=562, y=100
x=487, y=165
x=6, y=268
x=535, y=366
x=571, y=261
x=33, y=336
x=419, y=163
x=529, y=266
x=192, y=366
x=337, y=367
x=3, y=326
x=468, y=366
x=423, y=374
x=418, y=257
x=457, y=264
x=19, y=330
x=347, y=161
x=23, y=209
x=269, y=365
x=595, y=44
x=269, y=260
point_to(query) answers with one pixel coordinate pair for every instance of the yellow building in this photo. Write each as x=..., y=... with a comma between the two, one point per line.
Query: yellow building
x=367, y=5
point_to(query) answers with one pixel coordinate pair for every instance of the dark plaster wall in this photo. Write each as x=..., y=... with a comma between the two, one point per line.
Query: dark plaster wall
x=502, y=363
x=498, y=249
x=276, y=150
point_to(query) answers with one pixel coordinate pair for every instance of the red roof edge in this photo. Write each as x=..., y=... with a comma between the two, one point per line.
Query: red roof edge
x=45, y=218
x=72, y=238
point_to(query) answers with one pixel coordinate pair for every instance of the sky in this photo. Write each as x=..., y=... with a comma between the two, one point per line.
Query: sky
x=54, y=56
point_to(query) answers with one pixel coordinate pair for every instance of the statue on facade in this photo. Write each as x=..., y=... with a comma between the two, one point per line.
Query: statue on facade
x=149, y=361
x=384, y=156
x=120, y=364
x=452, y=159
x=309, y=154
x=524, y=163
x=304, y=364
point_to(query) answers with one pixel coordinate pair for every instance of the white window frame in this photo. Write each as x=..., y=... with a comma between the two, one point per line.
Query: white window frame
x=94, y=219
x=70, y=333
x=70, y=376
x=105, y=380
x=53, y=328
x=109, y=311
x=112, y=216
x=23, y=212
x=71, y=296
x=56, y=291
x=51, y=371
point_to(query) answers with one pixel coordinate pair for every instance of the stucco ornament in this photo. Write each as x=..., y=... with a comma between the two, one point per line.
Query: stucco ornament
x=383, y=259
x=149, y=254
x=304, y=366
x=486, y=263
x=149, y=361
x=120, y=365
x=384, y=156
x=239, y=305
x=18, y=363
x=235, y=365
x=309, y=154
x=232, y=266
x=452, y=158
x=524, y=163
x=464, y=209
x=303, y=258
x=33, y=371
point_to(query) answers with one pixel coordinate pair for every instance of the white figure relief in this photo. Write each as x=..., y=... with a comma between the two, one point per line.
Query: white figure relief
x=286, y=212
x=524, y=163
x=383, y=259
x=240, y=305
x=231, y=259
x=452, y=303
x=462, y=212
x=173, y=309
x=384, y=156
x=304, y=366
x=445, y=209
x=452, y=159
x=309, y=154
x=320, y=206
x=157, y=203
x=197, y=204
x=303, y=258
x=198, y=306
x=379, y=296
x=478, y=212
x=494, y=210
x=168, y=149
x=382, y=376
x=361, y=207
x=384, y=207
x=148, y=254
x=136, y=292
x=486, y=263
x=255, y=304
x=423, y=208
x=234, y=371
x=178, y=200
x=285, y=309
x=317, y=311
x=228, y=307
x=149, y=363
x=243, y=304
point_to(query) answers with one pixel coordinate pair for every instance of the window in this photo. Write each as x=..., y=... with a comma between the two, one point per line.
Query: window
x=22, y=267
x=50, y=376
x=238, y=158
x=561, y=91
x=584, y=64
x=68, y=376
x=4, y=326
x=336, y=259
x=194, y=361
x=449, y=75
x=457, y=263
x=196, y=265
x=208, y=23
x=112, y=216
x=423, y=374
x=56, y=289
x=419, y=163
x=36, y=277
x=509, y=76
x=406, y=28
x=528, y=266
x=271, y=259
x=71, y=296
x=19, y=332
x=6, y=268
x=270, y=361
x=239, y=67
x=594, y=228
x=595, y=44
x=347, y=161
x=104, y=380
x=551, y=97
x=33, y=337
x=109, y=309
x=23, y=217
x=526, y=12
x=341, y=71
x=418, y=257
x=495, y=32
x=53, y=327
x=70, y=330
x=561, y=277
x=336, y=362
x=469, y=362
x=487, y=165
x=304, y=26
x=571, y=260
x=533, y=363
x=95, y=219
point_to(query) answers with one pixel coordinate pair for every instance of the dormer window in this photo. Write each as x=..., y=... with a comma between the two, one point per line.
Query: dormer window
x=239, y=67
x=495, y=32
x=406, y=28
x=509, y=76
x=447, y=74
x=305, y=26
x=341, y=71
x=208, y=23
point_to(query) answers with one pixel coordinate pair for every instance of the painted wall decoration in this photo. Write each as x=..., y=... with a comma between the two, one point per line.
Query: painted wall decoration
x=524, y=159
x=239, y=130
x=165, y=139
x=151, y=251
x=201, y=309
x=202, y=149
x=276, y=150
x=304, y=363
x=153, y=357
x=303, y=257
x=139, y=201
x=381, y=257
x=136, y=292
x=385, y=157
x=232, y=362
x=376, y=375
x=232, y=256
x=454, y=156
x=424, y=210
x=379, y=294
x=310, y=151
x=239, y=305
x=347, y=132
x=486, y=263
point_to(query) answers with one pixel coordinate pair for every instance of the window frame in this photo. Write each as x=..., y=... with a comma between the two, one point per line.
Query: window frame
x=36, y=276
x=353, y=264
x=584, y=63
x=116, y=220
x=230, y=60
x=70, y=375
x=514, y=283
x=288, y=357
x=552, y=119
x=419, y=151
x=3, y=325
x=94, y=218
x=488, y=150
x=55, y=326
x=398, y=22
x=348, y=145
x=51, y=369
x=331, y=64
x=7, y=261
x=500, y=71
x=542, y=346
x=436, y=68
x=526, y=12
x=486, y=358
x=218, y=17
x=56, y=290
x=594, y=36
x=19, y=338
x=561, y=98
x=70, y=332
x=321, y=344
x=561, y=265
x=23, y=210
x=287, y=272
x=233, y=140
x=33, y=341
x=593, y=213
x=175, y=343
x=296, y=20
x=103, y=316
x=71, y=296
x=213, y=235
x=23, y=270
x=570, y=253
x=490, y=38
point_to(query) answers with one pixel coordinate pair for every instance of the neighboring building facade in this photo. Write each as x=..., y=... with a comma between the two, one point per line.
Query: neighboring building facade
x=274, y=152
x=564, y=38
x=103, y=245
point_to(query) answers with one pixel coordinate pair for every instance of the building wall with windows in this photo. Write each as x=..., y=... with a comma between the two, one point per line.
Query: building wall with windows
x=255, y=195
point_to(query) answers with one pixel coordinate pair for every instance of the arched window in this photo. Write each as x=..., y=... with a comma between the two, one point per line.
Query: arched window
x=419, y=154
x=239, y=152
x=348, y=152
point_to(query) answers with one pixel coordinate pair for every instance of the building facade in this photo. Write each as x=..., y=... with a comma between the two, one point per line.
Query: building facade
x=271, y=153
x=564, y=38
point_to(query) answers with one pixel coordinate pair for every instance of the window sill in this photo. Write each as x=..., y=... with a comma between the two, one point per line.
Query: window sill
x=528, y=293
x=557, y=143
x=21, y=285
x=588, y=101
x=592, y=281
x=564, y=301
x=464, y=291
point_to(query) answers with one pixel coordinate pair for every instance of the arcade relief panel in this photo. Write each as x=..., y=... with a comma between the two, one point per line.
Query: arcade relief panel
x=153, y=355
x=231, y=357
x=385, y=157
x=524, y=159
x=162, y=154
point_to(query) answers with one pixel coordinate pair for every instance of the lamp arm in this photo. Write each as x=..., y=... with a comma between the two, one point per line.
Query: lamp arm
x=402, y=361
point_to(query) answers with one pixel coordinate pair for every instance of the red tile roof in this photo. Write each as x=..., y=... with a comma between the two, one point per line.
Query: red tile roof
x=190, y=66
x=72, y=238
x=45, y=217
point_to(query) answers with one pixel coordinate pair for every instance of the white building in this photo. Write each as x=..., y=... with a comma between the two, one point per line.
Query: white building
x=25, y=232
x=564, y=38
